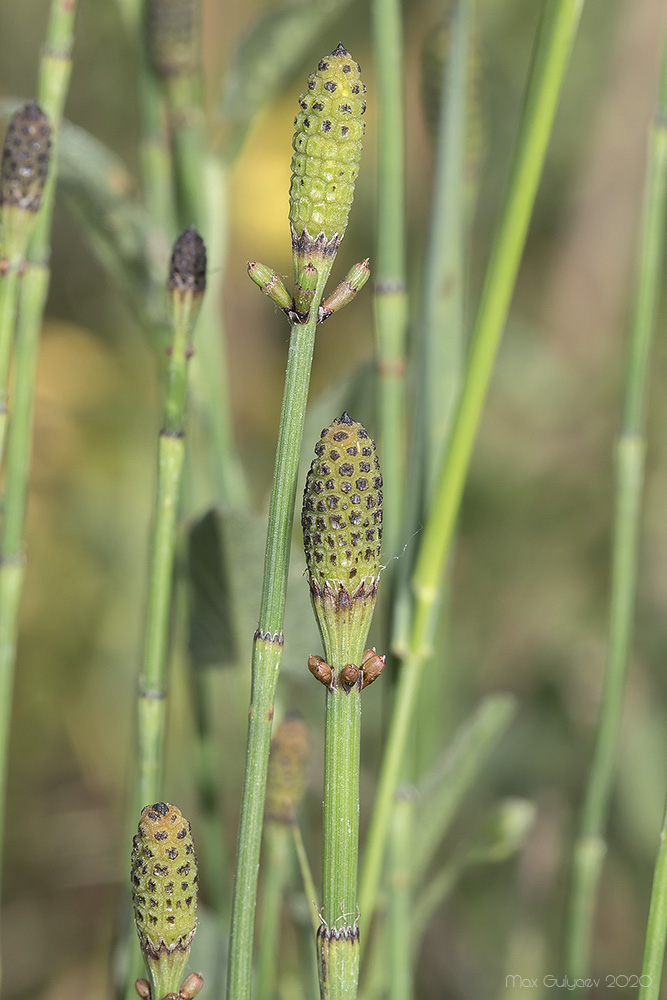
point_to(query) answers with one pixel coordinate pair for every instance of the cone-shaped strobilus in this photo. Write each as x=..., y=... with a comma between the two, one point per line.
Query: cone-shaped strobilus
x=342, y=531
x=328, y=132
x=164, y=897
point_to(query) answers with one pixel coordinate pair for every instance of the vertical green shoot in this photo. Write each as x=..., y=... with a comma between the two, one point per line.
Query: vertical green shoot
x=553, y=45
x=55, y=69
x=390, y=301
x=329, y=129
x=186, y=285
x=590, y=846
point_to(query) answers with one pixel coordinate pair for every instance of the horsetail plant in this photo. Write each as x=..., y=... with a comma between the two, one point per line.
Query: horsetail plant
x=185, y=287
x=327, y=149
x=342, y=535
x=164, y=899
x=54, y=75
x=25, y=164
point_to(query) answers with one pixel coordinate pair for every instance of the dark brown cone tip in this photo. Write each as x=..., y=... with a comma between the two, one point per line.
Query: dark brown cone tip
x=25, y=158
x=187, y=270
x=340, y=50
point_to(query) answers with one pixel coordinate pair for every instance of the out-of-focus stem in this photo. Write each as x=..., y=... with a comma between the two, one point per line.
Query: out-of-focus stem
x=590, y=847
x=390, y=297
x=553, y=45
x=55, y=70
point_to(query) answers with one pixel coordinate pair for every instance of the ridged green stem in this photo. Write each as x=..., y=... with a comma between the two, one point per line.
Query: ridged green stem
x=398, y=943
x=171, y=453
x=9, y=292
x=656, y=926
x=342, y=742
x=55, y=70
x=553, y=45
x=339, y=959
x=390, y=303
x=590, y=847
x=267, y=648
x=276, y=868
x=441, y=319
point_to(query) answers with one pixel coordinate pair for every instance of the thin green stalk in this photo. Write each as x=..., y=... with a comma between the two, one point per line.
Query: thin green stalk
x=306, y=875
x=185, y=300
x=9, y=292
x=197, y=198
x=442, y=351
x=656, y=926
x=228, y=485
x=442, y=299
x=55, y=70
x=399, y=956
x=390, y=302
x=277, y=862
x=267, y=650
x=342, y=744
x=339, y=958
x=155, y=157
x=556, y=34
x=590, y=847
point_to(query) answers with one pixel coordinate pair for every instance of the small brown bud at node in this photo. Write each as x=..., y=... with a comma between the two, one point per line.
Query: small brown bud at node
x=191, y=986
x=349, y=675
x=320, y=670
x=372, y=666
x=142, y=987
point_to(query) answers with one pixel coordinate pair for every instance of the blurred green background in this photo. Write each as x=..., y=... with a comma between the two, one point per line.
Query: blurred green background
x=532, y=569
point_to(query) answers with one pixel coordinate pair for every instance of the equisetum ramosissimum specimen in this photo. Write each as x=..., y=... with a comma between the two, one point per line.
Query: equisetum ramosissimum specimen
x=164, y=898
x=327, y=151
x=342, y=532
x=327, y=147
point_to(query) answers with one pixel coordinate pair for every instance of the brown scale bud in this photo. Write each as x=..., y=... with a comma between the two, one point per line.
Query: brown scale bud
x=372, y=666
x=191, y=986
x=320, y=670
x=349, y=675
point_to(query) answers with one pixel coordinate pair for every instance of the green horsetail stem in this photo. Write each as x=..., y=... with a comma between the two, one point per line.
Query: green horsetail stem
x=185, y=288
x=285, y=789
x=25, y=163
x=335, y=154
x=164, y=896
x=342, y=533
